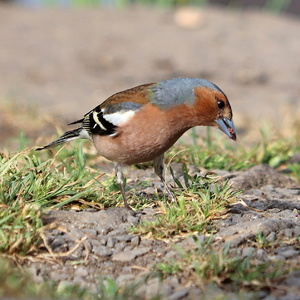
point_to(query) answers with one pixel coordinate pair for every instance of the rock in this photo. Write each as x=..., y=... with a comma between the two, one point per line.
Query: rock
x=123, y=256
x=181, y=294
x=271, y=237
x=248, y=251
x=102, y=251
x=259, y=176
x=262, y=255
x=111, y=241
x=130, y=255
x=81, y=271
x=135, y=241
x=153, y=288
x=124, y=279
x=125, y=238
x=290, y=253
x=90, y=232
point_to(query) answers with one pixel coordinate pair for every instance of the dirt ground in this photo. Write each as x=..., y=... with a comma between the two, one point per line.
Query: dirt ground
x=67, y=61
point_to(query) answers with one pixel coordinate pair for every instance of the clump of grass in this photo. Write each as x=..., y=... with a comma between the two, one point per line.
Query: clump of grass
x=29, y=185
x=199, y=201
x=204, y=264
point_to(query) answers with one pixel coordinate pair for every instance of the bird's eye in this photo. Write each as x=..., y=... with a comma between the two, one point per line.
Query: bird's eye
x=221, y=104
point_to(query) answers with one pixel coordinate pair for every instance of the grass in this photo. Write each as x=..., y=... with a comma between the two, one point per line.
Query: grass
x=206, y=265
x=209, y=153
x=199, y=200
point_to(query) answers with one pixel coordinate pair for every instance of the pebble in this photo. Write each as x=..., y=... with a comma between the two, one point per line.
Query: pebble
x=262, y=255
x=111, y=241
x=153, y=288
x=102, y=251
x=103, y=240
x=90, y=232
x=123, y=256
x=124, y=278
x=271, y=237
x=126, y=238
x=288, y=232
x=181, y=294
x=135, y=241
x=290, y=253
x=120, y=247
x=81, y=271
x=248, y=251
x=133, y=220
x=130, y=255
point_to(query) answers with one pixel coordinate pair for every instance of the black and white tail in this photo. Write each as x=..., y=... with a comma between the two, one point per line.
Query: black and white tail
x=71, y=135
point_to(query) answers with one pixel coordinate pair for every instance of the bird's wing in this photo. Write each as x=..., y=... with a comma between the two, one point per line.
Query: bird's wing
x=115, y=111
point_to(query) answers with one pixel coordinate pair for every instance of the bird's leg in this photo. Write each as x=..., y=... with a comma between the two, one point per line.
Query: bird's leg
x=159, y=171
x=120, y=179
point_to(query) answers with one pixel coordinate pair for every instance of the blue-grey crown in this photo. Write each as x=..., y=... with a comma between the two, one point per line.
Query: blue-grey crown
x=177, y=91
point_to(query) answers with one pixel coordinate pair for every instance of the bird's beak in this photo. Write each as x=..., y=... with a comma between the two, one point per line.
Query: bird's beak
x=227, y=127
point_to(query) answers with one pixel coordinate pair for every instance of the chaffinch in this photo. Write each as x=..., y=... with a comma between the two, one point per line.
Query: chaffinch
x=140, y=124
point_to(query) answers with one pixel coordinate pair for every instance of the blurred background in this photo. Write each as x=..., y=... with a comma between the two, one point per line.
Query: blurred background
x=61, y=58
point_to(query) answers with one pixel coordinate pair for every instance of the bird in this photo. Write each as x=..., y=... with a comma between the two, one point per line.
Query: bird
x=140, y=124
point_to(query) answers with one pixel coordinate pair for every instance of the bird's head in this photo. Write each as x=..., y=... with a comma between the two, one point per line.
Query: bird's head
x=213, y=108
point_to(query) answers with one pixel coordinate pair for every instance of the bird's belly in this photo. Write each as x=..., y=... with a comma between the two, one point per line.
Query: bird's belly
x=133, y=149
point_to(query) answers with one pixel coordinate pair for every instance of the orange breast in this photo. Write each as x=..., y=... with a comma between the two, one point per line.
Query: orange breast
x=148, y=134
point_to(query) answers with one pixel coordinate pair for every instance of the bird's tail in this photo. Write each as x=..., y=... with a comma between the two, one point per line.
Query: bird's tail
x=66, y=137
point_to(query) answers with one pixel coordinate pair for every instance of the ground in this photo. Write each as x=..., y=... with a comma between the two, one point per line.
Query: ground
x=67, y=61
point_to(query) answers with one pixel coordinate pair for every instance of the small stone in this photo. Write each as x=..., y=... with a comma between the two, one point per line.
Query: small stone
x=103, y=240
x=111, y=241
x=103, y=230
x=130, y=255
x=90, y=232
x=288, y=232
x=181, y=294
x=133, y=220
x=102, y=251
x=78, y=279
x=153, y=288
x=81, y=271
x=125, y=238
x=172, y=280
x=135, y=241
x=271, y=237
x=140, y=251
x=75, y=233
x=123, y=256
x=290, y=253
x=59, y=276
x=248, y=251
x=276, y=258
x=124, y=278
x=261, y=255
x=118, y=231
x=120, y=247
x=146, y=242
